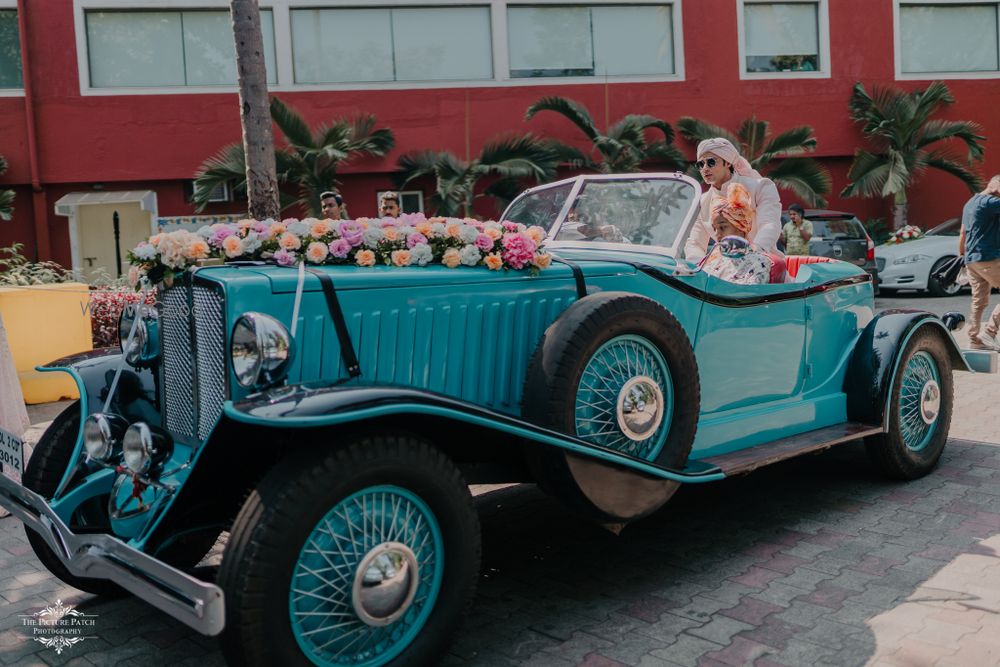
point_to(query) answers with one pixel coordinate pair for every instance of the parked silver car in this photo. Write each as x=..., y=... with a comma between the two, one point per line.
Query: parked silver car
x=912, y=265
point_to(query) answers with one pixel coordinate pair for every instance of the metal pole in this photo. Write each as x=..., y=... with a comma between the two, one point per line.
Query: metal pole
x=118, y=247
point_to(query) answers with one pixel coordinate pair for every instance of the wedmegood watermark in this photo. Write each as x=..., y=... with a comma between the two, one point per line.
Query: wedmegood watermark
x=59, y=626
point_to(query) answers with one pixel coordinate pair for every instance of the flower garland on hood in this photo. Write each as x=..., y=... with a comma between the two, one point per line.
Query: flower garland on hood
x=410, y=240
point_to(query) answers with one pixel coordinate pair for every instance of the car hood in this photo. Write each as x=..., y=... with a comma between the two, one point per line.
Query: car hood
x=935, y=246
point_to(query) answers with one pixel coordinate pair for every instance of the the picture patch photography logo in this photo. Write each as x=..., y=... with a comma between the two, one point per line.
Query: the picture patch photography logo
x=59, y=626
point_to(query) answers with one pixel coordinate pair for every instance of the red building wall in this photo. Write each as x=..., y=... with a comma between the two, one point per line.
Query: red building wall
x=157, y=141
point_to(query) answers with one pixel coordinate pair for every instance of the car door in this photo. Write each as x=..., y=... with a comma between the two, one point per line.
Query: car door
x=749, y=344
x=841, y=238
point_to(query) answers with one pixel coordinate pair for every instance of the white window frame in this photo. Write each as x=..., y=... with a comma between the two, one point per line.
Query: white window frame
x=823, y=26
x=281, y=11
x=419, y=193
x=934, y=76
x=13, y=92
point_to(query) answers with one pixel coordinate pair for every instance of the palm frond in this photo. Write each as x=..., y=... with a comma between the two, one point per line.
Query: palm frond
x=643, y=122
x=6, y=204
x=570, y=156
x=3, y=165
x=227, y=166
x=929, y=100
x=415, y=165
x=291, y=124
x=695, y=130
x=503, y=190
x=666, y=154
x=967, y=131
x=365, y=138
x=795, y=141
x=753, y=135
x=867, y=175
x=948, y=164
x=574, y=111
x=804, y=176
x=898, y=178
x=521, y=156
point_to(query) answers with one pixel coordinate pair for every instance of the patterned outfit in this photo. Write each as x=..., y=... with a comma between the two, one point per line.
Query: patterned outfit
x=794, y=243
x=753, y=268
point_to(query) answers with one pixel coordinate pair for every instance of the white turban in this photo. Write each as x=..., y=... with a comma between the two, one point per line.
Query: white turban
x=725, y=150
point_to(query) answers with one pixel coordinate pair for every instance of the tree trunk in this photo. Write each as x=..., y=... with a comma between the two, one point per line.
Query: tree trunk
x=255, y=111
x=899, y=210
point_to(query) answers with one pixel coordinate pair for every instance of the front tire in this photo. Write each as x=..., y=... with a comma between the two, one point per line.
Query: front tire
x=42, y=475
x=364, y=555
x=935, y=287
x=920, y=407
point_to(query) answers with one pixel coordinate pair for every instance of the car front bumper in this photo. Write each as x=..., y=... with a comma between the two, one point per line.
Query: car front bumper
x=904, y=276
x=193, y=602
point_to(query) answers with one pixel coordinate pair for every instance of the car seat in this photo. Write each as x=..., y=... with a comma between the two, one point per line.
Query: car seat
x=793, y=262
x=778, y=268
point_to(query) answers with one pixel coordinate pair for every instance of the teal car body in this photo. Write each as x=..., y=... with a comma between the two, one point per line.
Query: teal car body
x=447, y=354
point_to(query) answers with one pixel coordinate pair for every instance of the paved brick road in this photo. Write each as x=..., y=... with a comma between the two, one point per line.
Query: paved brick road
x=810, y=562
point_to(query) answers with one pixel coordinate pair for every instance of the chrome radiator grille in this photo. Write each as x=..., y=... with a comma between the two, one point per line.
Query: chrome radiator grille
x=194, y=379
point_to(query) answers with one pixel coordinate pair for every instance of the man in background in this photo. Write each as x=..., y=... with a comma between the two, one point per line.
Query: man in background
x=388, y=205
x=796, y=234
x=332, y=205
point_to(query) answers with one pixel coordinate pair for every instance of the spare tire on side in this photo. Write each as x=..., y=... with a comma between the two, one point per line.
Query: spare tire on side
x=617, y=370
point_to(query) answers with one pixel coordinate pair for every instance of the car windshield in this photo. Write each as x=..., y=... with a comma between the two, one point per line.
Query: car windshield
x=947, y=228
x=540, y=207
x=837, y=228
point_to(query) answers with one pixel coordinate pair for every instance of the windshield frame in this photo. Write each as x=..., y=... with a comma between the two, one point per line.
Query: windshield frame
x=578, y=183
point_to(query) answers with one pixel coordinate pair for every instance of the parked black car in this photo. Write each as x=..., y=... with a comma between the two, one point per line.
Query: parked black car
x=840, y=235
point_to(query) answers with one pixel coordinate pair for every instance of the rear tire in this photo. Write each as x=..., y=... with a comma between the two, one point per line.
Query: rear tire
x=325, y=547
x=920, y=406
x=42, y=475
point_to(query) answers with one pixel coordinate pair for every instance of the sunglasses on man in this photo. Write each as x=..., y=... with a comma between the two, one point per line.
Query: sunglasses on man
x=710, y=163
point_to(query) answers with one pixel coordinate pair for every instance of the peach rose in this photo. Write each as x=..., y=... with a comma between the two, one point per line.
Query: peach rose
x=133, y=275
x=541, y=260
x=401, y=257
x=536, y=233
x=317, y=252
x=155, y=239
x=197, y=249
x=492, y=232
x=233, y=246
x=391, y=234
x=424, y=228
x=453, y=230
x=289, y=241
x=493, y=261
x=276, y=229
x=319, y=228
x=365, y=258
x=451, y=258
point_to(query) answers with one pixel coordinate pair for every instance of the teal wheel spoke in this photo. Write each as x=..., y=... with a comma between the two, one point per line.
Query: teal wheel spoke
x=919, y=401
x=627, y=374
x=366, y=535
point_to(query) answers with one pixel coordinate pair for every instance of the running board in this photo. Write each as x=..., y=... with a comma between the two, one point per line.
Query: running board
x=748, y=460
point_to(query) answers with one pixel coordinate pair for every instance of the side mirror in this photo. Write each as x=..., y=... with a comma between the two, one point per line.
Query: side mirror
x=954, y=321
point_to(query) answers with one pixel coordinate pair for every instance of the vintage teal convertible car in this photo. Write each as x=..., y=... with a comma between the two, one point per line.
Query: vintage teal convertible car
x=339, y=458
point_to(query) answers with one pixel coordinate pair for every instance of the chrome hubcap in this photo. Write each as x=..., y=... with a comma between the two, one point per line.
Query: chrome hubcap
x=640, y=407
x=385, y=584
x=930, y=401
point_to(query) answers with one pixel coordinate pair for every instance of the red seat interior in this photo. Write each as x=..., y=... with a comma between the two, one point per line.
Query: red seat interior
x=793, y=262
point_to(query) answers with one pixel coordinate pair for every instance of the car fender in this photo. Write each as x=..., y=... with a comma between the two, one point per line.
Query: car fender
x=873, y=364
x=312, y=406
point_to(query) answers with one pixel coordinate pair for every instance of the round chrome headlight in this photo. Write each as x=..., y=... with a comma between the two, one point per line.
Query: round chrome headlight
x=144, y=345
x=261, y=350
x=143, y=448
x=101, y=434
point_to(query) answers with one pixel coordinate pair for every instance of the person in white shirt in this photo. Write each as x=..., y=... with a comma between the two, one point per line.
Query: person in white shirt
x=721, y=165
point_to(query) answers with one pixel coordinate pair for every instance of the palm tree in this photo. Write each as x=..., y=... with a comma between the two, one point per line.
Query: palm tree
x=804, y=176
x=258, y=140
x=6, y=196
x=309, y=161
x=899, y=126
x=510, y=159
x=624, y=148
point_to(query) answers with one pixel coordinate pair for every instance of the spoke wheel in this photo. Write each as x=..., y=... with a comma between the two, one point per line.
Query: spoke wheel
x=363, y=555
x=367, y=578
x=625, y=398
x=919, y=409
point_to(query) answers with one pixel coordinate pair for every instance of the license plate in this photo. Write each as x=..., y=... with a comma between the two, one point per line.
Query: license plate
x=11, y=453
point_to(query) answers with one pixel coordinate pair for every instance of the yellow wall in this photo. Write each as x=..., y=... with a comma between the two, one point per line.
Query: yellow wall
x=44, y=323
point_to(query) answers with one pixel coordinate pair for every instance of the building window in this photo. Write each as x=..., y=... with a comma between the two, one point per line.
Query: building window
x=410, y=201
x=398, y=44
x=596, y=40
x=782, y=38
x=10, y=50
x=151, y=49
x=935, y=38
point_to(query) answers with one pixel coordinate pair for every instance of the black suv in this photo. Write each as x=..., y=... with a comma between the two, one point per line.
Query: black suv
x=841, y=236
